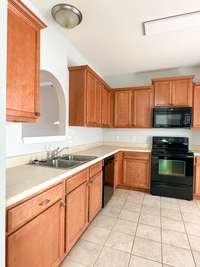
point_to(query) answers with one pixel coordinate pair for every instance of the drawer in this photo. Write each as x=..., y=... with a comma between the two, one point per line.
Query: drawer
x=77, y=180
x=24, y=212
x=94, y=169
x=137, y=155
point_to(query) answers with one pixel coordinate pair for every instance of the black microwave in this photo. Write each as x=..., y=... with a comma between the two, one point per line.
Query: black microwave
x=168, y=117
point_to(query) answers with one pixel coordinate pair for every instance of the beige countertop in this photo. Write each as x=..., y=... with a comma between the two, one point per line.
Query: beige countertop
x=26, y=180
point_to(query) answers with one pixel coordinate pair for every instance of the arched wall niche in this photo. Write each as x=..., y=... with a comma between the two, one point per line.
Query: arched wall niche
x=51, y=125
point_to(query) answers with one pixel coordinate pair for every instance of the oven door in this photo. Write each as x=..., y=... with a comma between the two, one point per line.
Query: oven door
x=175, y=170
x=172, y=118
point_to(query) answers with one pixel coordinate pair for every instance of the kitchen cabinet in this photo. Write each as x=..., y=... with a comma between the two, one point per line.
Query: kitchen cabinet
x=89, y=98
x=106, y=107
x=40, y=241
x=173, y=91
x=122, y=114
x=76, y=207
x=118, y=169
x=136, y=170
x=23, y=63
x=197, y=178
x=196, y=106
x=141, y=107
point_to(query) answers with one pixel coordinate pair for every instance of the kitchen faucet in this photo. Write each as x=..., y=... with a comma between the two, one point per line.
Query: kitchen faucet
x=55, y=152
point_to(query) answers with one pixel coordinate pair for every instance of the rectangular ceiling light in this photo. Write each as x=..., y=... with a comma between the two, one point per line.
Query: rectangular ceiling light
x=173, y=23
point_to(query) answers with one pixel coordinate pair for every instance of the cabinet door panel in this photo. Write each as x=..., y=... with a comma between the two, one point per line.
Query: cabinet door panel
x=95, y=195
x=136, y=173
x=196, y=107
x=182, y=92
x=142, y=108
x=76, y=214
x=118, y=169
x=99, y=87
x=91, y=100
x=106, y=95
x=162, y=93
x=197, y=177
x=39, y=243
x=122, y=109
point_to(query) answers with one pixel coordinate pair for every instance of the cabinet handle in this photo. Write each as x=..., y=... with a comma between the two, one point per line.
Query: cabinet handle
x=62, y=204
x=44, y=202
x=37, y=114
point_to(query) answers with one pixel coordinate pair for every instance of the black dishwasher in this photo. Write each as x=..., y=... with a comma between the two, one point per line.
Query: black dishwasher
x=108, y=179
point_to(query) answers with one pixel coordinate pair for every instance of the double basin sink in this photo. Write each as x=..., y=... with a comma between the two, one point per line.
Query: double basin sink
x=64, y=162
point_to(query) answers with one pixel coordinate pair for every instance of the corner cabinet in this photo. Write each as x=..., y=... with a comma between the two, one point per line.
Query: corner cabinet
x=173, y=91
x=196, y=106
x=89, y=103
x=136, y=170
x=23, y=63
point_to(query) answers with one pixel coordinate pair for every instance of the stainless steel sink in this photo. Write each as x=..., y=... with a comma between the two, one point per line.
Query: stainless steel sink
x=64, y=162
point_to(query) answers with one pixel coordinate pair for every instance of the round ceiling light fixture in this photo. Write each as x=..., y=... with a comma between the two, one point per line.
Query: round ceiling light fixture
x=66, y=15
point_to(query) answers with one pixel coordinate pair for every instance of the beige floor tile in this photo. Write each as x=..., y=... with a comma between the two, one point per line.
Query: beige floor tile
x=112, y=211
x=174, y=238
x=121, y=241
x=121, y=193
x=193, y=228
x=169, y=205
x=117, y=201
x=191, y=217
x=196, y=258
x=112, y=258
x=150, y=200
x=171, y=214
x=132, y=206
x=194, y=242
x=147, y=248
x=125, y=227
x=155, y=211
x=177, y=257
x=85, y=253
x=129, y=215
x=70, y=263
x=149, y=232
x=150, y=220
x=172, y=225
x=106, y=222
x=96, y=235
x=141, y=262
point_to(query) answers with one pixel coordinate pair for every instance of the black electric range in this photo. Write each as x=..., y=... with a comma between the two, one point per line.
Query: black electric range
x=172, y=167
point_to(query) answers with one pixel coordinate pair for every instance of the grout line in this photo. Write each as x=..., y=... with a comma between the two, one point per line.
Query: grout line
x=187, y=234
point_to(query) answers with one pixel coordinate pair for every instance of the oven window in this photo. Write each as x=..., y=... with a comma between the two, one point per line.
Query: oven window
x=171, y=167
x=168, y=119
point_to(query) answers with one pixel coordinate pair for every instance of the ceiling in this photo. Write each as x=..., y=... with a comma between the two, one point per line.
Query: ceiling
x=111, y=37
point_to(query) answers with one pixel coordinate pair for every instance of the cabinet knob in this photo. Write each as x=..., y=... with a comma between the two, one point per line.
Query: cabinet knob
x=37, y=114
x=62, y=204
x=44, y=202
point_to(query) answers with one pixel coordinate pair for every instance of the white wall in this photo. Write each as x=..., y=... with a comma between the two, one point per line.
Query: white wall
x=3, y=31
x=55, y=53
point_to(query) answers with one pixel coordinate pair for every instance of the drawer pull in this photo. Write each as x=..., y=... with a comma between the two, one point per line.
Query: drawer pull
x=45, y=202
x=62, y=204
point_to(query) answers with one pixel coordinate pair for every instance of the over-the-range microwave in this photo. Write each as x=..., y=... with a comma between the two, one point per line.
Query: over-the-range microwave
x=172, y=117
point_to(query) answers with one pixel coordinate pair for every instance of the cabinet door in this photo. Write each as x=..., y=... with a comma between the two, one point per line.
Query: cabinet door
x=118, y=169
x=99, y=87
x=22, y=63
x=76, y=214
x=197, y=177
x=95, y=195
x=142, y=102
x=106, y=98
x=136, y=173
x=162, y=93
x=182, y=91
x=91, y=103
x=39, y=243
x=196, y=107
x=122, y=109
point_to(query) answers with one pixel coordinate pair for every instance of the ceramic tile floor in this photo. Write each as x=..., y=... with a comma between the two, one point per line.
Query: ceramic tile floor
x=139, y=230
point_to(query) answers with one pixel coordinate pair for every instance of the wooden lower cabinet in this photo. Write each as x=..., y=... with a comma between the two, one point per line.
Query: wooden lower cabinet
x=76, y=214
x=197, y=178
x=118, y=169
x=136, y=170
x=40, y=243
x=95, y=195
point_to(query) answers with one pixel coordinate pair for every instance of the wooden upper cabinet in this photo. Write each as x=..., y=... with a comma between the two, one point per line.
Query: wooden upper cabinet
x=88, y=98
x=196, y=106
x=174, y=91
x=106, y=107
x=122, y=114
x=142, y=103
x=23, y=63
